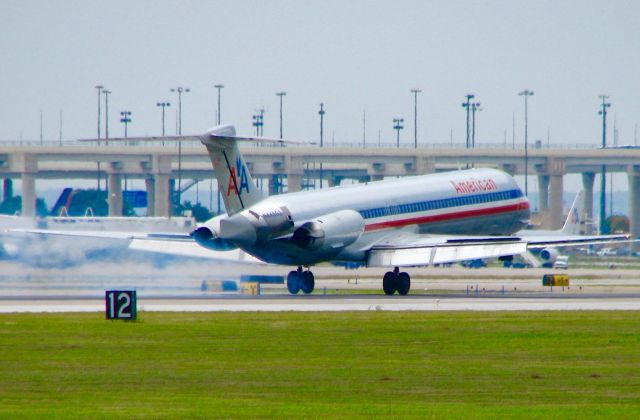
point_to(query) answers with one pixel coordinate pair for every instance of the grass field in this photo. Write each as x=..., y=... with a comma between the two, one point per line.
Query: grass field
x=407, y=364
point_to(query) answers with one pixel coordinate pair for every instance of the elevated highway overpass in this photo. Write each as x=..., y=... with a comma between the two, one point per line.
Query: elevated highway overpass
x=287, y=167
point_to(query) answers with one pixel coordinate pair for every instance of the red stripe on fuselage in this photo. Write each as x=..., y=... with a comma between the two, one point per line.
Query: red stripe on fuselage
x=447, y=216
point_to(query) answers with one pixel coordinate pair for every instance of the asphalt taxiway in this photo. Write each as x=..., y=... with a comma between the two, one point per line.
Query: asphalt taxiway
x=82, y=289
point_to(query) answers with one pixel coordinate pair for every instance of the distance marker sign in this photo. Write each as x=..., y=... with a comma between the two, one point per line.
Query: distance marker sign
x=121, y=304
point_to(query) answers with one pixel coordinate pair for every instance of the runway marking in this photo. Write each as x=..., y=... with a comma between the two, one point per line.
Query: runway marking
x=333, y=305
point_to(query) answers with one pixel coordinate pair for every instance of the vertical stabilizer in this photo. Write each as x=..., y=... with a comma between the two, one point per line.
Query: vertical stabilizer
x=234, y=180
x=575, y=217
x=61, y=208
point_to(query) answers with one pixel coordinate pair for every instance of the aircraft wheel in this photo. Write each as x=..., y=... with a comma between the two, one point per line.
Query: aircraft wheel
x=389, y=283
x=293, y=282
x=403, y=283
x=307, y=283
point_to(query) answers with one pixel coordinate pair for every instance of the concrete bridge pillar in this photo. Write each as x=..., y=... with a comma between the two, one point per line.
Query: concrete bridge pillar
x=543, y=192
x=28, y=194
x=115, y=190
x=158, y=191
x=556, y=216
x=377, y=171
x=294, y=168
x=633, y=173
x=28, y=169
x=587, y=186
x=424, y=165
x=161, y=195
x=151, y=193
x=556, y=173
x=274, y=185
x=294, y=182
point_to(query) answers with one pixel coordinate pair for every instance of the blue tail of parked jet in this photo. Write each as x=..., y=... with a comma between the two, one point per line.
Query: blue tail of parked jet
x=61, y=208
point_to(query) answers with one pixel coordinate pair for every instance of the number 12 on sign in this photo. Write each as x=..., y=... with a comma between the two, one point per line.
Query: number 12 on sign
x=121, y=304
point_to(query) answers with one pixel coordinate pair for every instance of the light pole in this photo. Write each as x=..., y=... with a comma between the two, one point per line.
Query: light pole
x=258, y=122
x=321, y=113
x=163, y=105
x=467, y=106
x=219, y=87
x=126, y=119
x=180, y=90
x=106, y=114
x=415, y=116
x=99, y=88
x=475, y=106
x=526, y=93
x=397, y=125
x=281, y=94
x=261, y=122
x=603, y=171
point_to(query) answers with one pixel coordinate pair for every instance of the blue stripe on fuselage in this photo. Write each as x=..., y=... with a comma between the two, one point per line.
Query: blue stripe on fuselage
x=444, y=203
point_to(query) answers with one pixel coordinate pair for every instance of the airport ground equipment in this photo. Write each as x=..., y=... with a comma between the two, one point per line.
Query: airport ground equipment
x=555, y=280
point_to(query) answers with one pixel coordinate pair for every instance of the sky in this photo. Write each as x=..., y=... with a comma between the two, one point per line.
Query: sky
x=354, y=56
x=358, y=58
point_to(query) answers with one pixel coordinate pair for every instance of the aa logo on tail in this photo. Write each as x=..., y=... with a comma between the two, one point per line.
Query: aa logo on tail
x=238, y=179
x=575, y=217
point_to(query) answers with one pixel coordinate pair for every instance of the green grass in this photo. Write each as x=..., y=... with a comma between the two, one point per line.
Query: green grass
x=365, y=364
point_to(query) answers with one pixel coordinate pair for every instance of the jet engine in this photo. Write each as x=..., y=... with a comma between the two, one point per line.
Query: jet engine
x=256, y=226
x=549, y=255
x=207, y=237
x=329, y=232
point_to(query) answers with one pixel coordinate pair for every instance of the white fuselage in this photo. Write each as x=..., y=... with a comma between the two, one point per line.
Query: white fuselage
x=468, y=202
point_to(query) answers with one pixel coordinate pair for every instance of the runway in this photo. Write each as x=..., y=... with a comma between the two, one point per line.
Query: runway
x=177, y=288
x=334, y=303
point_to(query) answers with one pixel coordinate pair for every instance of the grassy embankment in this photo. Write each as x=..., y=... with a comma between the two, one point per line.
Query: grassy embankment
x=464, y=365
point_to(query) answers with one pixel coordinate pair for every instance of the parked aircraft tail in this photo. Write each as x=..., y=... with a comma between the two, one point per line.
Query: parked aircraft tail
x=61, y=208
x=576, y=216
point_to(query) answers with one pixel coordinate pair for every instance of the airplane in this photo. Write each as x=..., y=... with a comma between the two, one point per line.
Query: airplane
x=412, y=221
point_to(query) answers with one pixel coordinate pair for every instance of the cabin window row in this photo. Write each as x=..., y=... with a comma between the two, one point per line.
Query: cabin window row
x=440, y=204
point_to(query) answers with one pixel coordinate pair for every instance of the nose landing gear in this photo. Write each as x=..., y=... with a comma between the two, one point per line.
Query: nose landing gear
x=300, y=280
x=396, y=280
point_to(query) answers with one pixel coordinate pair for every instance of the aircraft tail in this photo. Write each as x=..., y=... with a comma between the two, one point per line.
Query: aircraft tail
x=575, y=217
x=234, y=180
x=61, y=207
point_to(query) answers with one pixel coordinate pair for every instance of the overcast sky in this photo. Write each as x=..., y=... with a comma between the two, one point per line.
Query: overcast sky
x=354, y=56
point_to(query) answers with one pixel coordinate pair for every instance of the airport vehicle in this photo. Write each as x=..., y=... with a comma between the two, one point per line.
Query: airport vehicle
x=562, y=262
x=413, y=221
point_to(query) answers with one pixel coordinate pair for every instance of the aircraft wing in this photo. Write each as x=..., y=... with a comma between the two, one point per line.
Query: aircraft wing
x=411, y=249
x=102, y=234
x=419, y=250
x=546, y=241
x=169, y=243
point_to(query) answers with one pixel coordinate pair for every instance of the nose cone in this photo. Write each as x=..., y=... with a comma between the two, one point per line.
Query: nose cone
x=239, y=230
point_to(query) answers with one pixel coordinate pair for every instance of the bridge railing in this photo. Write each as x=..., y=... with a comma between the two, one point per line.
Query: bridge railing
x=341, y=145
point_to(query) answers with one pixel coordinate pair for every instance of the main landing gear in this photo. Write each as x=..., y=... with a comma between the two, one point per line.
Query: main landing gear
x=300, y=280
x=395, y=280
